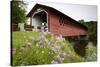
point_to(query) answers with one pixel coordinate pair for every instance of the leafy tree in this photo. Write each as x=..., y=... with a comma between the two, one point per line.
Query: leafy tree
x=92, y=30
x=81, y=21
x=18, y=10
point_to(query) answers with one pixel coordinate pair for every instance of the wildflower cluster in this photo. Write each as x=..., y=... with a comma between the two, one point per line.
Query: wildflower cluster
x=43, y=48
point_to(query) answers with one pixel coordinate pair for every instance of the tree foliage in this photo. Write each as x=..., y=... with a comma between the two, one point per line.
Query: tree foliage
x=18, y=10
x=92, y=29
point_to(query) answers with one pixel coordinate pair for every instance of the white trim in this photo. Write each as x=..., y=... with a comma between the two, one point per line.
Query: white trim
x=39, y=12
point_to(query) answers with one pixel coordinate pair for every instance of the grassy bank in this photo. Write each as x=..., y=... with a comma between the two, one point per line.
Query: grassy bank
x=33, y=48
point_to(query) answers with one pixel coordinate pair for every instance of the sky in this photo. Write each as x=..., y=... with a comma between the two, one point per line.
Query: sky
x=75, y=11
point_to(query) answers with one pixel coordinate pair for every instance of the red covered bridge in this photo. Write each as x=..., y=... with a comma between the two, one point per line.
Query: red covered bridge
x=55, y=21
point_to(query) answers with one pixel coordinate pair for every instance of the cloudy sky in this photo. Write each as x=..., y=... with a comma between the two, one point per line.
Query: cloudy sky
x=77, y=12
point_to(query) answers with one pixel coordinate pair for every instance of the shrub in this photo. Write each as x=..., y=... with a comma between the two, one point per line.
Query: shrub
x=91, y=54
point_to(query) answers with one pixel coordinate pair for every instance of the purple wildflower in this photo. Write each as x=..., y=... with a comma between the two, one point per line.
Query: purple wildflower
x=47, y=42
x=13, y=50
x=54, y=50
x=59, y=37
x=62, y=48
x=54, y=62
x=59, y=58
x=40, y=39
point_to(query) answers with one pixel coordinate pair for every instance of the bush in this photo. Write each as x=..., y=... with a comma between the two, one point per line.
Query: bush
x=91, y=54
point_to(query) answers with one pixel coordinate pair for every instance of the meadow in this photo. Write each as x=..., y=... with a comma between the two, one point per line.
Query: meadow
x=37, y=48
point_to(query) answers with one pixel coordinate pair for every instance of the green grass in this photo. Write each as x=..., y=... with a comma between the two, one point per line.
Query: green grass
x=19, y=38
x=31, y=54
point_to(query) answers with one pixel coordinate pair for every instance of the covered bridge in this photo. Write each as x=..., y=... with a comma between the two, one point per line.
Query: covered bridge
x=55, y=21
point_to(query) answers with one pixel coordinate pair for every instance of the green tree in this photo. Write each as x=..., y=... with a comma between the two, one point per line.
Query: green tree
x=81, y=21
x=92, y=30
x=18, y=10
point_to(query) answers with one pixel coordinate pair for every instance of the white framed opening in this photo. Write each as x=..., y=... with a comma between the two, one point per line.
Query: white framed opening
x=40, y=20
